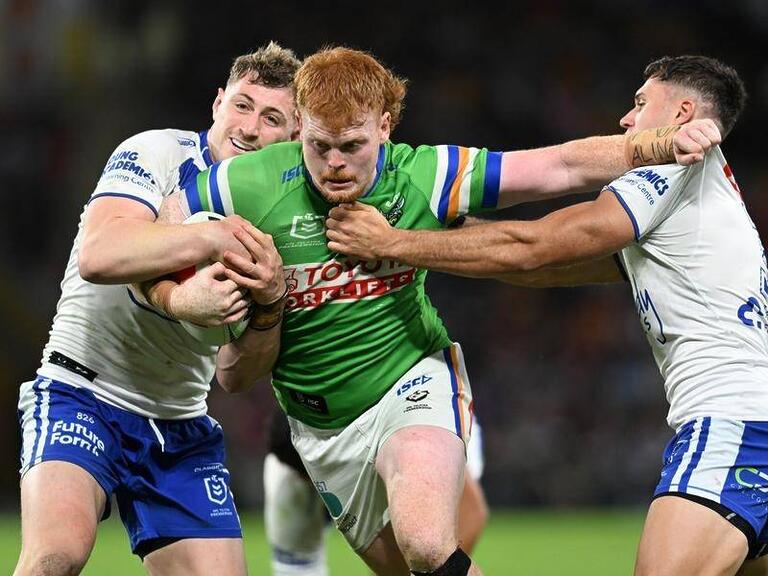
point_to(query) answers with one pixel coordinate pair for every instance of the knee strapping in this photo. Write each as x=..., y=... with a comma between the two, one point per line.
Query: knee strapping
x=457, y=564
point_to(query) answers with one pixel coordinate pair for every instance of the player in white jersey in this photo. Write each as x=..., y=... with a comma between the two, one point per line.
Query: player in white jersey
x=698, y=272
x=119, y=403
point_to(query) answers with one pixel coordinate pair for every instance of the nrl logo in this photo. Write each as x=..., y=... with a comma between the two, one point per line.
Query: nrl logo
x=216, y=489
x=393, y=209
x=307, y=226
x=417, y=396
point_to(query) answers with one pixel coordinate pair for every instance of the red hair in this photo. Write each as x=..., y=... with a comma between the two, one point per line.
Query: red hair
x=339, y=85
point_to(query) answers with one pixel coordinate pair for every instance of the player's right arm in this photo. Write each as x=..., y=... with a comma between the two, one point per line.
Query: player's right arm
x=587, y=164
x=121, y=241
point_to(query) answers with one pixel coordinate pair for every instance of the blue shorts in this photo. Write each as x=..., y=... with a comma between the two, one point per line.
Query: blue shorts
x=168, y=476
x=722, y=464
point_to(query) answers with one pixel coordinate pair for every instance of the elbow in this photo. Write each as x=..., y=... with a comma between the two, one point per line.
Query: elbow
x=89, y=268
x=96, y=270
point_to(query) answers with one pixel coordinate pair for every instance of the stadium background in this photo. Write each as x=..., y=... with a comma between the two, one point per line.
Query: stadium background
x=565, y=386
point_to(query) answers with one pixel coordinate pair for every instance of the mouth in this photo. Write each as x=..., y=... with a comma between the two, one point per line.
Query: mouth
x=241, y=146
x=338, y=184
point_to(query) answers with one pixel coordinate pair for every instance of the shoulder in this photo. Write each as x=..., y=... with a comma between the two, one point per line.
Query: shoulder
x=159, y=143
x=658, y=178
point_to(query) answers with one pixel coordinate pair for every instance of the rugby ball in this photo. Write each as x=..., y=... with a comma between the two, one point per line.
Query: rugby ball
x=213, y=335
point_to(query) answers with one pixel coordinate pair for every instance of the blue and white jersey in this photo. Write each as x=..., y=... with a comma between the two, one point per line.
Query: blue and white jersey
x=143, y=362
x=698, y=275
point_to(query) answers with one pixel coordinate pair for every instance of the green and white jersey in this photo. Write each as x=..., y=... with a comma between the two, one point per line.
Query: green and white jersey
x=351, y=328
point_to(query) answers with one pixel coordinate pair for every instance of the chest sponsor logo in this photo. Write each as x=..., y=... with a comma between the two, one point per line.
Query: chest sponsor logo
x=311, y=285
x=307, y=226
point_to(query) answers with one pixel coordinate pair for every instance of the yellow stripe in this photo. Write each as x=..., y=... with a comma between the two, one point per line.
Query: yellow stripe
x=455, y=194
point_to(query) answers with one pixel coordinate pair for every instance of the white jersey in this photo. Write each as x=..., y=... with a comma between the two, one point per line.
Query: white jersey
x=143, y=361
x=698, y=274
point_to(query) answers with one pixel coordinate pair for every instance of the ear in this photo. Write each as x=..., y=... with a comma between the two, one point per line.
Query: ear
x=297, y=128
x=385, y=127
x=217, y=102
x=686, y=111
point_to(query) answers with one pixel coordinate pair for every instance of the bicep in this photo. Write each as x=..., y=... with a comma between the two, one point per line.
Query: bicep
x=106, y=208
x=584, y=231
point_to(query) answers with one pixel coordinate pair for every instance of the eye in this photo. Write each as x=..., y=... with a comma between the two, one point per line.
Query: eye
x=242, y=106
x=351, y=147
x=272, y=120
x=321, y=147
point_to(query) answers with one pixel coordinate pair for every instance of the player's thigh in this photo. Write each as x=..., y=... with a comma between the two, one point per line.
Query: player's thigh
x=423, y=464
x=198, y=557
x=61, y=505
x=383, y=556
x=682, y=537
x=473, y=513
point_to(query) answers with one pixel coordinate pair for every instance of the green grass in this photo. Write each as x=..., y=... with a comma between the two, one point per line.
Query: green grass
x=515, y=542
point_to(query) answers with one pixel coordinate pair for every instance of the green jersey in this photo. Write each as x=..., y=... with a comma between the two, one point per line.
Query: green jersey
x=351, y=327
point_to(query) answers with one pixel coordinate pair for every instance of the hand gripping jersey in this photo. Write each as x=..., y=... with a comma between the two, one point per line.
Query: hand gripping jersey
x=130, y=355
x=352, y=328
x=698, y=275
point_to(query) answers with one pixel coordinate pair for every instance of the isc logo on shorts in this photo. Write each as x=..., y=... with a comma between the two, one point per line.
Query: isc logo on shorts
x=418, y=381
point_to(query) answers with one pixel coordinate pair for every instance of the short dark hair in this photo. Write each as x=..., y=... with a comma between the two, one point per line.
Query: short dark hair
x=272, y=66
x=718, y=84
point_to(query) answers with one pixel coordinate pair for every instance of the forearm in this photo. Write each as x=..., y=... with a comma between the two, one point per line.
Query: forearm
x=593, y=162
x=481, y=251
x=579, y=165
x=125, y=250
x=241, y=363
x=600, y=271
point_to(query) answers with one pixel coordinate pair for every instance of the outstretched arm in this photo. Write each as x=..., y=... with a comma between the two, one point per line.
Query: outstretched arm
x=577, y=234
x=588, y=164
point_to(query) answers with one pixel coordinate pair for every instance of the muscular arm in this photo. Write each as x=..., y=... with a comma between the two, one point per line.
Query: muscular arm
x=588, y=164
x=123, y=243
x=513, y=251
x=600, y=271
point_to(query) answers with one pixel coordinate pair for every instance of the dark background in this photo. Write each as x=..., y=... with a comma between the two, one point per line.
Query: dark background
x=570, y=400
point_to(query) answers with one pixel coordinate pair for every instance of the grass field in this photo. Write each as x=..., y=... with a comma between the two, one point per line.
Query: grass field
x=515, y=542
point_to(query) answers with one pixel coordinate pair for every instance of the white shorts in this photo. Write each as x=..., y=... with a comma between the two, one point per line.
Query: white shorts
x=341, y=462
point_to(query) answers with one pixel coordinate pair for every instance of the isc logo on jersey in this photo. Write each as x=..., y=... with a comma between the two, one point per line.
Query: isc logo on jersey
x=213, y=335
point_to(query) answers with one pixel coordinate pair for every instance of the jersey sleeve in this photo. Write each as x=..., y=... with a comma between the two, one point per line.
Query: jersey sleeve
x=142, y=169
x=650, y=195
x=457, y=180
x=238, y=185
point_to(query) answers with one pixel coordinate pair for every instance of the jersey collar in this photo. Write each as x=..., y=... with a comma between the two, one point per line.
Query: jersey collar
x=376, y=178
x=204, y=150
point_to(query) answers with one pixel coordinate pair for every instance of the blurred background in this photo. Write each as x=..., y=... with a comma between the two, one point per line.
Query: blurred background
x=570, y=400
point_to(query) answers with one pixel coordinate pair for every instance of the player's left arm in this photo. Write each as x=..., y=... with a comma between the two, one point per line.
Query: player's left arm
x=507, y=250
x=589, y=163
x=244, y=361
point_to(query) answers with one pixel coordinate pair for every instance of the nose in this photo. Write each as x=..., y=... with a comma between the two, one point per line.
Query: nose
x=335, y=159
x=628, y=120
x=250, y=127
